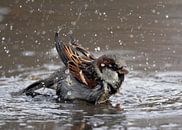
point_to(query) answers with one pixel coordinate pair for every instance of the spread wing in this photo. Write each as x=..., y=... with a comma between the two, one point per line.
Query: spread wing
x=79, y=48
x=78, y=60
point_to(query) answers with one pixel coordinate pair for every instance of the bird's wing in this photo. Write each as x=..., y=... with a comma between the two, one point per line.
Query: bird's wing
x=79, y=48
x=77, y=64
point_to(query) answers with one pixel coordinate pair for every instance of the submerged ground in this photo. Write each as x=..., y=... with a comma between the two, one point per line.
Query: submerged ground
x=147, y=34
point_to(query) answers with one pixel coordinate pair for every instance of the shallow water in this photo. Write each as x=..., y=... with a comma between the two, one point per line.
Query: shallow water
x=147, y=35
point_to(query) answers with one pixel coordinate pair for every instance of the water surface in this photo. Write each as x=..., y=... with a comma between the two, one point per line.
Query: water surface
x=146, y=34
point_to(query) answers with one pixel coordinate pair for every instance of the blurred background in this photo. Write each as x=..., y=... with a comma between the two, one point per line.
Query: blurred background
x=149, y=32
x=146, y=33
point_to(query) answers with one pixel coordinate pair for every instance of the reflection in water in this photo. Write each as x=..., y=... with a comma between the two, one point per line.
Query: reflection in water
x=147, y=35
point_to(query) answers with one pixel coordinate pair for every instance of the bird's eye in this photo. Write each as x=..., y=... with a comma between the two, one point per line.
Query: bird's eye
x=115, y=66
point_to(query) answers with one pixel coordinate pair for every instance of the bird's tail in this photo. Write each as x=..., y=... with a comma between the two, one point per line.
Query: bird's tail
x=30, y=90
x=50, y=82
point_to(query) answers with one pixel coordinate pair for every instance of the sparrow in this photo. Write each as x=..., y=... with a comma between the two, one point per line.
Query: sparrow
x=84, y=76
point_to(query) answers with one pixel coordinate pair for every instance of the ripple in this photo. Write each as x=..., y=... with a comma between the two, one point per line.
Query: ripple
x=142, y=98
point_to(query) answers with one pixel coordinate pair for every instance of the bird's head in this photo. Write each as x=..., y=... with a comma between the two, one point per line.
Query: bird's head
x=111, y=69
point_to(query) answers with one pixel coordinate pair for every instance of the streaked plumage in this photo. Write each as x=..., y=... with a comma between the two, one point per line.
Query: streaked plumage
x=92, y=79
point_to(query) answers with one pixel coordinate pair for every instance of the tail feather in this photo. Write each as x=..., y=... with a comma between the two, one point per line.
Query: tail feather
x=50, y=82
x=37, y=85
x=30, y=90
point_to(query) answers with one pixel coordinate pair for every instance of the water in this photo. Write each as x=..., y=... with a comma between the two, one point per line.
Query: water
x=147, y=35
x=148, y=102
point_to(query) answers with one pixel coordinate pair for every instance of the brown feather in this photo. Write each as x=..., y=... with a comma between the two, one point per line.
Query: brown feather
x=78, y=60
x=105, y=61
x=75, y=62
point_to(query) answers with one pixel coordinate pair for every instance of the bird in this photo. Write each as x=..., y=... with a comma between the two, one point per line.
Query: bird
x=84, y=76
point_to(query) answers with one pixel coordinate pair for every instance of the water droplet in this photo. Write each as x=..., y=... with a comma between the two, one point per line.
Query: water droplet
x=86, y=6
x=43, y=32
x=22, y=124
x=3, y=38
x=96, y=12
x=36, y=41
x=158, y=13
x=120, y=42
x=156, y=21
x=30, y=127
x=167, y=16
x=153, y=11
x=11, y=27
x=69, y=93
x=121, y=19
x=118, y=27
x=131, y=69
x=97, y=48
x=154, y=65
x=67, y=71
x=28, y=53
x=73, y=23
x=131, y=35
x=7, y=51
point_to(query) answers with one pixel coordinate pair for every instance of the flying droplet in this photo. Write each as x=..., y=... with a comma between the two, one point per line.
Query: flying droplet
x=3, y=38
x=167, y=16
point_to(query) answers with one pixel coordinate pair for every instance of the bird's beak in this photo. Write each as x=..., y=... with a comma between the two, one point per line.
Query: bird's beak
x=123, y=71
